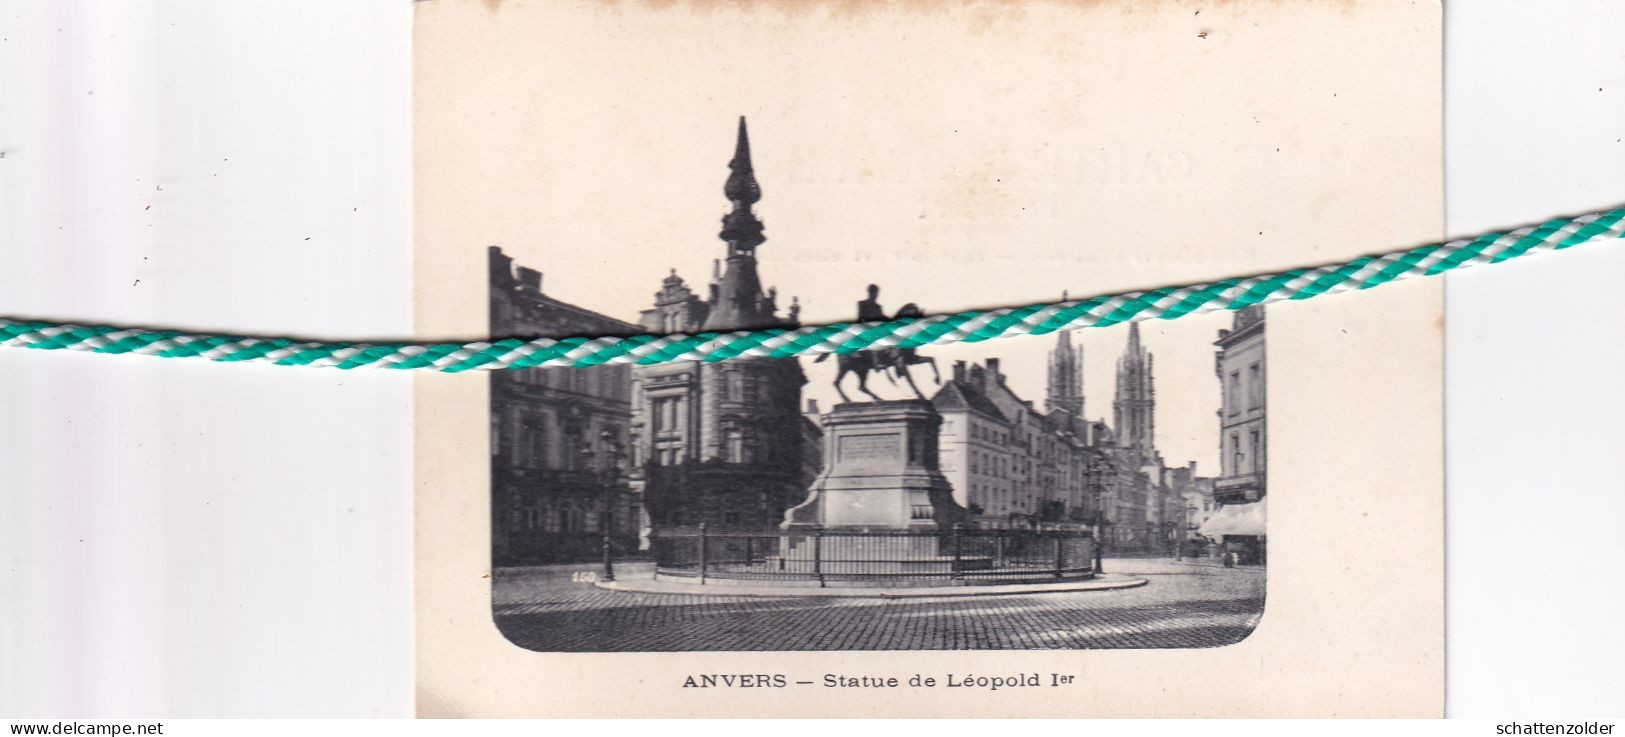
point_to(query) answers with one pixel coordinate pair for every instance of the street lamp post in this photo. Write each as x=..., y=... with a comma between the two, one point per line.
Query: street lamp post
x=607, y=519
x=1092, y=471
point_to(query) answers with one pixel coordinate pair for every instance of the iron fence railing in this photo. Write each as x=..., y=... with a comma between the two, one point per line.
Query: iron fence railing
x=848, y=557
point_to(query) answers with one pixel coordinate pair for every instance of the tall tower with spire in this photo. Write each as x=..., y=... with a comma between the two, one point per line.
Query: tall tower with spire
x=1134, y=408
x=1065, y=386
x=722, y=443
x=739, y=302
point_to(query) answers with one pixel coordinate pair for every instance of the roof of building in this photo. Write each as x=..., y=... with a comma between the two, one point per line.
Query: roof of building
x=962, y=396
x=1010, y=404
x=539, y=300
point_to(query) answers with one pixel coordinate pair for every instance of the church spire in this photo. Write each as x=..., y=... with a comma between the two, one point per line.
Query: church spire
x=1134, y=409
x=737, y=298
x=740, y=228
x=1065, y=388
x=742, y=186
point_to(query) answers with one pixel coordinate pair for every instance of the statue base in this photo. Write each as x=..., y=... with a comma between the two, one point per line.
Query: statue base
x=881, y=472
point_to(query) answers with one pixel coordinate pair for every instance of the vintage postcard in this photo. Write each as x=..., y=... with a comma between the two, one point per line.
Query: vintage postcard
x=1233, y=514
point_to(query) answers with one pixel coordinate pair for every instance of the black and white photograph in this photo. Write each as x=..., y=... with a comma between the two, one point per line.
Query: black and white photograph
x=1083, y=489
x=1091, y=502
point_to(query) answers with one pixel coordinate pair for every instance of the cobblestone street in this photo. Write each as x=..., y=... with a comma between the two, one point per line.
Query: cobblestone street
x=1183, y=606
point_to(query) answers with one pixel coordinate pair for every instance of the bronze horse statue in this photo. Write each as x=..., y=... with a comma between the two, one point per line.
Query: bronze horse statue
x=891, y=362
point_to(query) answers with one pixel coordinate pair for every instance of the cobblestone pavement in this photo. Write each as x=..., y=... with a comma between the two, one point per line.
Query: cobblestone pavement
x=1183, y=606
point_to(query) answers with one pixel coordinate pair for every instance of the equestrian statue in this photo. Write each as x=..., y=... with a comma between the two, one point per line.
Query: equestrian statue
x=889, y=362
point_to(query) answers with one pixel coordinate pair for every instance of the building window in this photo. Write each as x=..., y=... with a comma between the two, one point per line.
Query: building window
x=536, y=443
x=1235, y=454
x=570, y=454
x=1254, y=447
x=665, y=414
x=1255, y=386
x=1232, y=399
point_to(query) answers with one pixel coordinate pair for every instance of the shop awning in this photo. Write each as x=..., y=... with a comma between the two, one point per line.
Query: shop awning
x=1236, y=519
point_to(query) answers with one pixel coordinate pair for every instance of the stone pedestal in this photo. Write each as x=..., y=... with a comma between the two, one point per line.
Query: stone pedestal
x=880, y=472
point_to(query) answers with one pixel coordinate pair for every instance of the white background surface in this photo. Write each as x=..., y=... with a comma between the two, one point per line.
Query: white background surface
x=176, y=539
x=1535, y=365
x=182, y=540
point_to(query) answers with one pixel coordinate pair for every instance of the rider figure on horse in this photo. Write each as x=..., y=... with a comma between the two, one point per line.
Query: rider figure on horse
x=869, y=310
x=893, y=363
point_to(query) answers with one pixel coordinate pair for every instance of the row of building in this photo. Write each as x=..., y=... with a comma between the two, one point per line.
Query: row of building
x=581, y=455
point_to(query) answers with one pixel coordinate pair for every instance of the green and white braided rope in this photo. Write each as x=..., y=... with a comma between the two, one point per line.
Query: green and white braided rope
x=647, y=350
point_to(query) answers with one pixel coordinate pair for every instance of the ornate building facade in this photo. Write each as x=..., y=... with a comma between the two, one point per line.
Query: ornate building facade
x=1197, y=493
x=1240, y=367
x=978, y=446
x=1010, y=464
x=1241, y=489
x=559, y=437
x=725, y=444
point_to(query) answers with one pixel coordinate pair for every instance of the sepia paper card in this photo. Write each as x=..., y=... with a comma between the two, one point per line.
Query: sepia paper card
x=1233, y=514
